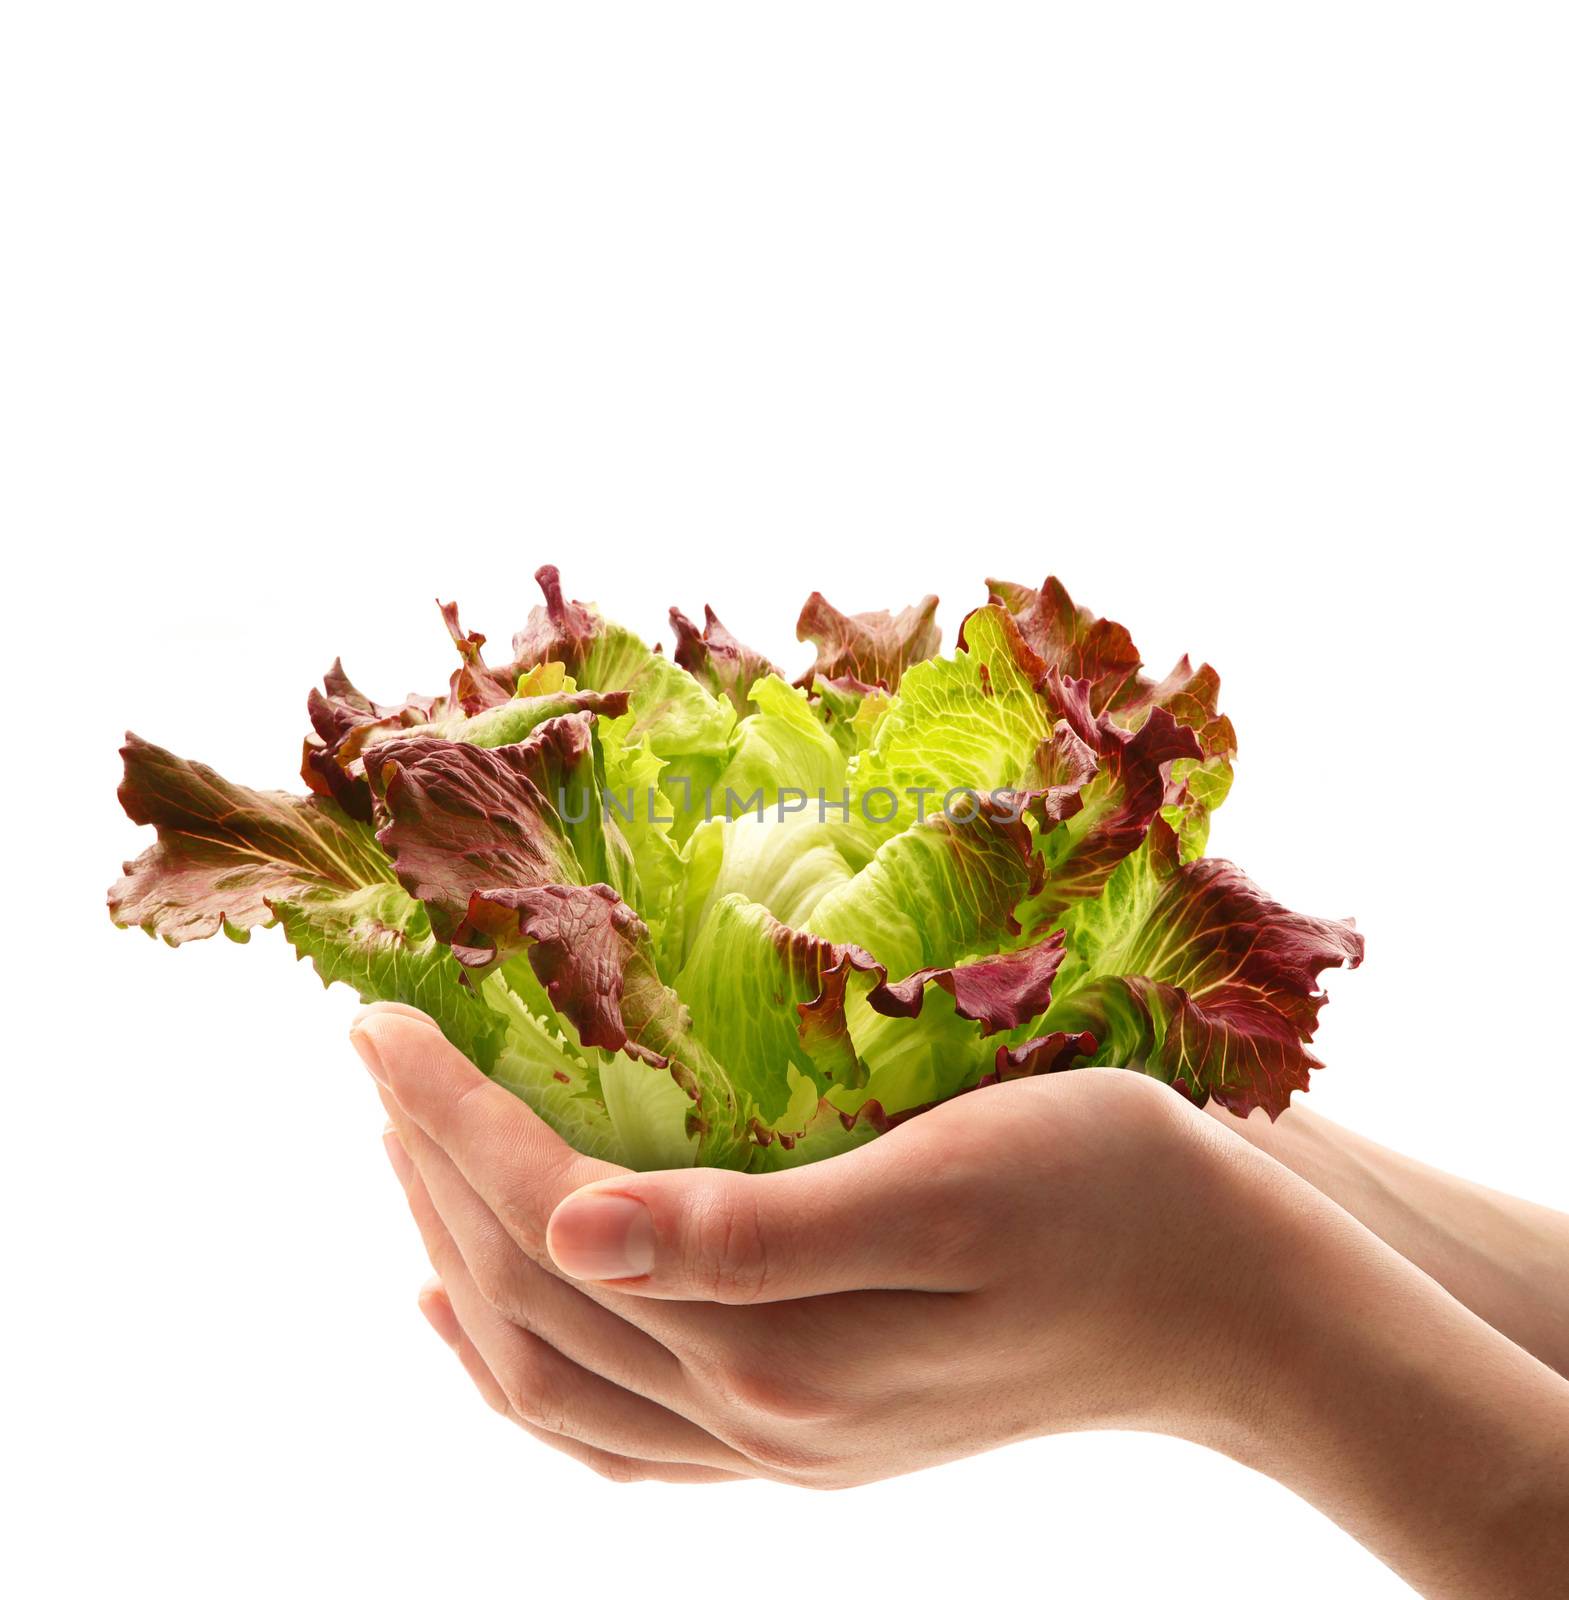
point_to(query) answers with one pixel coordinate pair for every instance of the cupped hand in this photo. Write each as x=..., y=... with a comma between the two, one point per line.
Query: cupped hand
x=1076, y=1251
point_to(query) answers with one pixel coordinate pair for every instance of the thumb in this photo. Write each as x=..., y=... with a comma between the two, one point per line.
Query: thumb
x=868, y=1219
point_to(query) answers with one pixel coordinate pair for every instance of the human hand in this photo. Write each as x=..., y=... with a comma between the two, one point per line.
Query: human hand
x=1078, y=1251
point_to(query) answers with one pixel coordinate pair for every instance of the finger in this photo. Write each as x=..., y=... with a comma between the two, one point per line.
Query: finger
x=438, y=1312
x=546, y=1390
x=437, y=1308
x=890, y=1215
x=527, y=1294
x=517, y=1164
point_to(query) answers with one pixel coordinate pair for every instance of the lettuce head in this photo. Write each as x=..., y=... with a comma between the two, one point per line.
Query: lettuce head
x=690, y=911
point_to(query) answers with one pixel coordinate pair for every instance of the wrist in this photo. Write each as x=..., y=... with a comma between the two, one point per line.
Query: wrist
x=1220, y=1323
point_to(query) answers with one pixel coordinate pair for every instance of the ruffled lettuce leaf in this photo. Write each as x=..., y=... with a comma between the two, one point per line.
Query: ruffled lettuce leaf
x=1190, y=695
x=1190, y=972
x=235, y=858
x=1076, y=646
x=1133, y=779
x=379, y=942
x=474, y=687
x=461, y=818
x=668, y=709
x=342, y=718
x=226, y=855
x=923, y=1040
x=345, y=723
x=1069, y=639
x=857, y=1046
x=718, y=660
x=872, y=647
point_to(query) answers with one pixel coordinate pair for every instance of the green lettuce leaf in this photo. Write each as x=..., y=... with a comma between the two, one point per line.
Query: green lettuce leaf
x=783, y=746
x=787, y=866
x=942, y=890
x=595, y=961
x=850, y=710
x=765, y=996
x=970, y=722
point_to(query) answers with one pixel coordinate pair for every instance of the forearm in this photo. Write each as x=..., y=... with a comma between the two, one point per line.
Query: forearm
x=1507, y=1259
x=1432, y=1439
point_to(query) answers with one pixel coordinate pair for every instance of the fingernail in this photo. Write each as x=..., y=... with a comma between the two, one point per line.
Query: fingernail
x=396, y=1008
x=602, y=1236
x=365, y=1045
x=438, y=1311
x=397, y=1155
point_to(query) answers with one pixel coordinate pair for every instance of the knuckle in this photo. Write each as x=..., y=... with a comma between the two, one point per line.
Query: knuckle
x=467, y=1106
x=494, y=1277
x=533, y=1393
x=518, y=1212
x=777, y=1455
x=728, y=1254
x=535, y=1184
x=774, y=1390
x=441, y=1248
x=831, y=1481
x=754, y=1368
x=618, y=1469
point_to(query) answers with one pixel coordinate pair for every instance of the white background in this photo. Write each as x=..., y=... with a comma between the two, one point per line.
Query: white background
x=1249, y=322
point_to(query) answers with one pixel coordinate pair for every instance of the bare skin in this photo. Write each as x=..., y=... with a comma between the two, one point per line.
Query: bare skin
x=1080, y=1251
x=1505, y=1258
